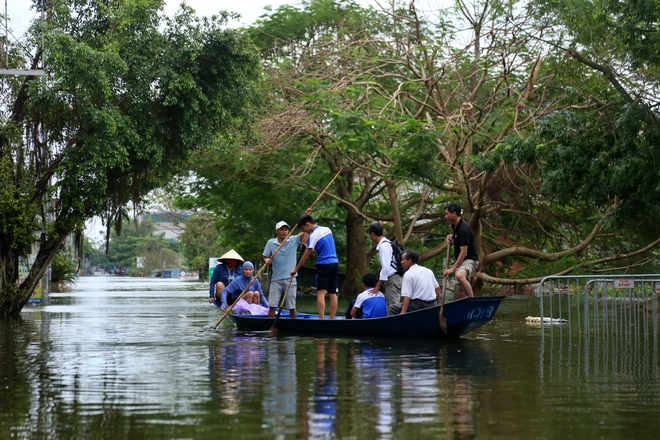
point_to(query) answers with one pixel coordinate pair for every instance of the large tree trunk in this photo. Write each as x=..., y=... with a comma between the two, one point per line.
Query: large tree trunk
x=13, y=296
x=356, y=254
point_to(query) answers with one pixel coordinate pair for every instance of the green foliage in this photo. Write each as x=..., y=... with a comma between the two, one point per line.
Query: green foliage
x=199, y=242
x=129, y=96
x=64, y=270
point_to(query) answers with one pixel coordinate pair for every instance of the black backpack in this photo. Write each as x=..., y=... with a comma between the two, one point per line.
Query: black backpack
x=397, y=252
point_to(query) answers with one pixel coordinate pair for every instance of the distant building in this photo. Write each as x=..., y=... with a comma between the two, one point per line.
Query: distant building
x=170, y=224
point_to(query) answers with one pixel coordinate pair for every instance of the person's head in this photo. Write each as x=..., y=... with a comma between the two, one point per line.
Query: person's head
x=248, y=269
x=375, y=232
x=369, y=280
x=452, y=212
x=231, y=259
x=282, y=229
x=409, y=258
x=306, y=223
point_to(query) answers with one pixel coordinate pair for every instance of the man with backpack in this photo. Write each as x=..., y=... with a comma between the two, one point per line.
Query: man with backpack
x=391, y=272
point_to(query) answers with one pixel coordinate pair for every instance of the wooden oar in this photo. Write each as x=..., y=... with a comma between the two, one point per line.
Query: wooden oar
x=276, y=251
x=443, y=320
x=273, y=328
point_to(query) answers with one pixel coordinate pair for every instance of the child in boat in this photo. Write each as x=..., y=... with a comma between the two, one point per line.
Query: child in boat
x=367, y=304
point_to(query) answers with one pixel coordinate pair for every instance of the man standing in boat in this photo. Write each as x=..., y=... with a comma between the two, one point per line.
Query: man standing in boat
x=229, y=266
x=388, y=278
x=419, y=289
x=282, y=263
x=465, y=248
x=322, y=242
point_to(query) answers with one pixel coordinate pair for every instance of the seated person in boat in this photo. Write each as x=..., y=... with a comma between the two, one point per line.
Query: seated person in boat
x=367, y=304
x=419, y=289
x=253, y=296
x=228, y=268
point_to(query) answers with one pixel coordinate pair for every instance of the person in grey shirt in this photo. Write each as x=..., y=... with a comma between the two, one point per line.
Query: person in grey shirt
x=282, y=264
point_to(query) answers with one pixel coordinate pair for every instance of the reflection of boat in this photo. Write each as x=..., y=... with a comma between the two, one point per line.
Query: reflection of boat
x=463, y=316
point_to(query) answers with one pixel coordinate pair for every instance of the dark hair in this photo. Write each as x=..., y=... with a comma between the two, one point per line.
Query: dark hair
x=305, y=218
x=376, y=228
x=454, y=208
x=369, y=279
x=411, y=255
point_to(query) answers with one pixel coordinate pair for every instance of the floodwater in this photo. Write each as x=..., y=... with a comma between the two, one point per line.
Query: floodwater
x=125, y=358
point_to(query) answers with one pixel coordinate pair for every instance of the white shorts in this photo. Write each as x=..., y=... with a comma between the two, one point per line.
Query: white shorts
x=277, y=289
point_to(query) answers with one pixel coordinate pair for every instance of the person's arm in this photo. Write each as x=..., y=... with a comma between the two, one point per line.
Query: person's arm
x=302, y=261
x=214, y=280
x=405, y=304
x=262, y=297
x=385, y=254
x=354, y=312
x=223, y=302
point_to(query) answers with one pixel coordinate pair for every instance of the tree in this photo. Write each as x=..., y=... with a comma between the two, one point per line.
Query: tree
x=420, y=108
x=127, y=98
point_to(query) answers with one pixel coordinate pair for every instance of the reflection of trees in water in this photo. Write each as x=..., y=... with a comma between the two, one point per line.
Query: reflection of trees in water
x=236, y=369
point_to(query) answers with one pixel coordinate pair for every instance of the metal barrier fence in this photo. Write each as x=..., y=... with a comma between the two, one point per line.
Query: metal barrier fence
x=599, y=324
x=620, y=301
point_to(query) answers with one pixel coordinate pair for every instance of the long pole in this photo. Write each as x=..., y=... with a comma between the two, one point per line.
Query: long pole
x=276, y=251
x=443, y=320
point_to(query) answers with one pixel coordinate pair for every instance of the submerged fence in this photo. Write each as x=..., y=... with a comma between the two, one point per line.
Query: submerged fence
x=624, y=299
x=600, y=323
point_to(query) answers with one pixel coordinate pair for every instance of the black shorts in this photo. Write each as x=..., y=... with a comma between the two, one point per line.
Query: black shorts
x=326, y=277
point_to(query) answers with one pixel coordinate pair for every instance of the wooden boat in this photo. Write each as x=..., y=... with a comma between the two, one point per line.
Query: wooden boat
x=463, y=316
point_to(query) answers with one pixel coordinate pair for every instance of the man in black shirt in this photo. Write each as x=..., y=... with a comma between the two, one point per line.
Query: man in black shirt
x=465, y=249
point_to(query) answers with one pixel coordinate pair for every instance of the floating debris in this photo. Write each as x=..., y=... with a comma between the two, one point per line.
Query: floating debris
x=182, y=316
x=537, y=320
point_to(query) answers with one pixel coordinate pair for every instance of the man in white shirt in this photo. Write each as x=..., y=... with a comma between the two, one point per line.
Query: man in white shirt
x=388, y=277
x=420, y=288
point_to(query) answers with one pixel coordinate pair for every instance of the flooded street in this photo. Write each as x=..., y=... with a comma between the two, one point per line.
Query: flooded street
x=127, y=358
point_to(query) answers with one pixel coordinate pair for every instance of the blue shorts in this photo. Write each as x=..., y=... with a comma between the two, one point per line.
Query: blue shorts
x=326, y=277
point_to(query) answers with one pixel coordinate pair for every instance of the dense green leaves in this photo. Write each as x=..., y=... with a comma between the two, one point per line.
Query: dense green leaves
x=128, y=98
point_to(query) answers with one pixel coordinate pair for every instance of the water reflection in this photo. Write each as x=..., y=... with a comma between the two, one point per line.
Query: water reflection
x=236, y=369
x=281, y=387
x=322, y=407
x=106, y=361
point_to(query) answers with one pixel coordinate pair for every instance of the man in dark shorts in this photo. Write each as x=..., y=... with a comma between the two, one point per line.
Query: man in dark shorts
x=322, y=242
x=465, y=248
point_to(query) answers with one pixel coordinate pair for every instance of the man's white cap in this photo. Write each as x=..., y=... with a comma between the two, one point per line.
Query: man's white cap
x=280, y=224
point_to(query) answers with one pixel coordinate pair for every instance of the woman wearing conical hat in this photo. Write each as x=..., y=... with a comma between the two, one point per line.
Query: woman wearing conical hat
x=229, y=267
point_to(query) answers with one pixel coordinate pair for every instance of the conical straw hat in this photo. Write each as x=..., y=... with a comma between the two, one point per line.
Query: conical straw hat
x=232, y=255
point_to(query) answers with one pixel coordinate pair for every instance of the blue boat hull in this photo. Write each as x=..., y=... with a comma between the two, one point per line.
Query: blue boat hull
x=463, y=316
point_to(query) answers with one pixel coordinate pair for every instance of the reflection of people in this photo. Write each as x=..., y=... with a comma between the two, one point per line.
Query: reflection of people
x=236, y=370
x=253, y=296
x=323, y=415
x=388, y=278
x=419, y=289
x=368, y=305
x=282, y=263
x=322, y=242
x=462, y=417
x=228, y=268
x=465, y=248
x=280, y=386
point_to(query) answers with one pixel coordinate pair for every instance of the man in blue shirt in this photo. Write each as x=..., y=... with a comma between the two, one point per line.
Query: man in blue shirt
x=282, y=263
x=322, y=242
